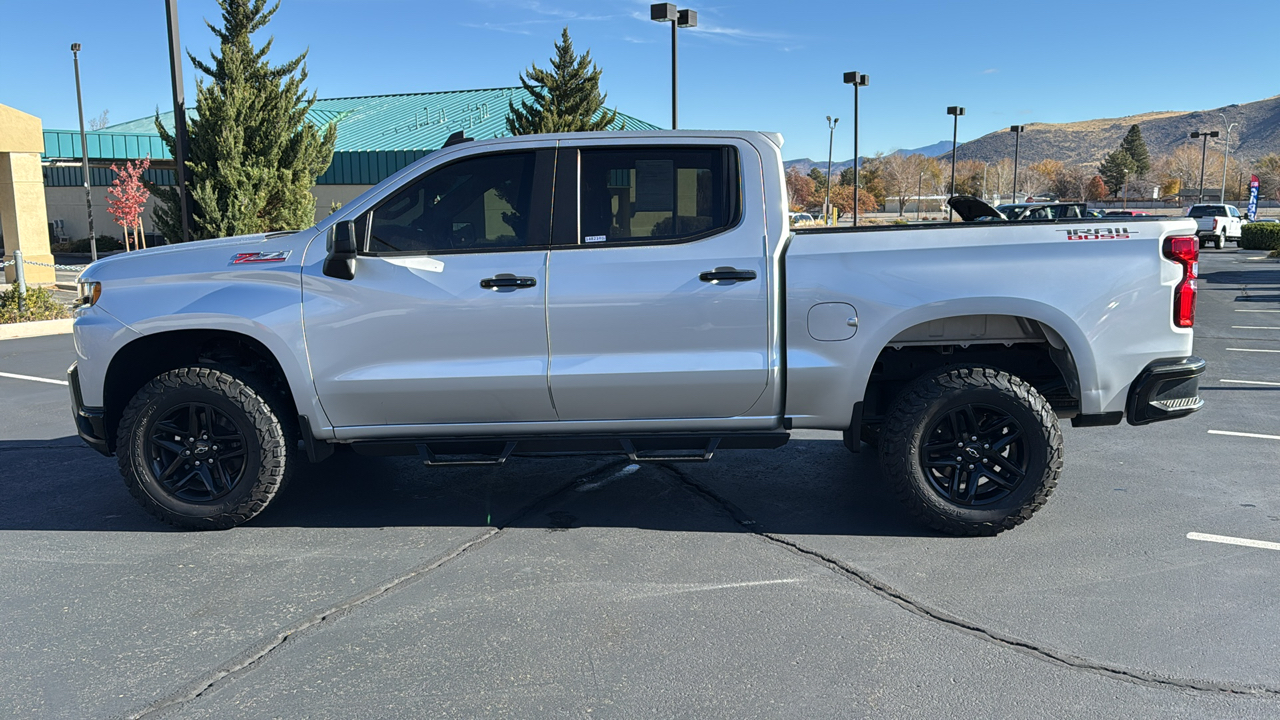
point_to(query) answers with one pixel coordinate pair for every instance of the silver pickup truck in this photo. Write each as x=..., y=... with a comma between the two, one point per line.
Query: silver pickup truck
x=639, y=293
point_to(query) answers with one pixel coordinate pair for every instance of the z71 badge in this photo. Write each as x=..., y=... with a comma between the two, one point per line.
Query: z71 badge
x=1102, y=233
x=260, y=257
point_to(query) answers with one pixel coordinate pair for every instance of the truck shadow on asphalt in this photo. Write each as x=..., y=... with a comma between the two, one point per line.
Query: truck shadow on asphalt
x=809, y=487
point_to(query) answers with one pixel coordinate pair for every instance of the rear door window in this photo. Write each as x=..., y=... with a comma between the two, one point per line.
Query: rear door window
x=657, y=194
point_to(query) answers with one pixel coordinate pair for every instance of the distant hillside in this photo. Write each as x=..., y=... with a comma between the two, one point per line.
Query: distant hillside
x=804, y=165
x=1088, y=141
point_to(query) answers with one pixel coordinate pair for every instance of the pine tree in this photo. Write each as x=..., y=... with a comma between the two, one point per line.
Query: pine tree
x=565, y=98
x=1136, y=148
x=1115, y=170
x=253, y=157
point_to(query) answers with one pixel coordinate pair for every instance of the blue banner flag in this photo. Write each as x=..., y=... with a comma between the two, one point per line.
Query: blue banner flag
x=1253, y=197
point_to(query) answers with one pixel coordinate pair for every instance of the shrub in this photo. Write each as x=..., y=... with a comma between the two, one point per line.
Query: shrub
x=106, y=243
x=41, y=305
x=1260, y=236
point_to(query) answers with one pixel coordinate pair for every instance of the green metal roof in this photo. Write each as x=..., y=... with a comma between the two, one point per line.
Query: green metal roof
x=377, y=134
x=417, y=121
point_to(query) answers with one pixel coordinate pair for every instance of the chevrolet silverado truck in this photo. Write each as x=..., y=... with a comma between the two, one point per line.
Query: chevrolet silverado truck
x=1216, y=224
x=639, y=293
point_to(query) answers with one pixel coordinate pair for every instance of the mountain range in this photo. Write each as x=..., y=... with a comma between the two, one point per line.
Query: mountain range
x=804, y=165
x=1087, y=141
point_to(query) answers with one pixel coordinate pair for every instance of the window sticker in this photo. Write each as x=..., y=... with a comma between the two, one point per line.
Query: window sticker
x=596, y=238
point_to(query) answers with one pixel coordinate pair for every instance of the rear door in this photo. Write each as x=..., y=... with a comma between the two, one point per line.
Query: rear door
x=658, y=299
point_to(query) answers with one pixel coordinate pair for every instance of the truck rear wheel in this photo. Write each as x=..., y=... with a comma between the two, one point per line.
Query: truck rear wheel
x=1219, y=241
x=971, y=450
x=203, y=449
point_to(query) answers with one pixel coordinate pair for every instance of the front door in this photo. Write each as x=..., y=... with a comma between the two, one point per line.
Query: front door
x=659, y=293
x=445, y=320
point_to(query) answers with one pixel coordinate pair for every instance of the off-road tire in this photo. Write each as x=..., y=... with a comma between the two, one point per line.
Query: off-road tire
x=924, y=402
x=1219, y=241
x=270, y=445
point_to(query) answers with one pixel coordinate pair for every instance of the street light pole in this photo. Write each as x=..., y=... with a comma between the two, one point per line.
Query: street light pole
x=667, y=12
x=1017, y=136
x=857, y=80
x=1226, y=156
x=919, y=187
x=1204, y=148
x=84, y=151
x=955, y=111
x=831, y=138
x=181, y=141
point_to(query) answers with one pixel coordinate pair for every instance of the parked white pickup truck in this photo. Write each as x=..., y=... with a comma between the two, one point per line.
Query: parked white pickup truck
x=640, y=293
x=1216, y=224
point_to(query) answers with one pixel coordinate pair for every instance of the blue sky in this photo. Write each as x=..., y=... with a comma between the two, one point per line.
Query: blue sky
x=750, y=65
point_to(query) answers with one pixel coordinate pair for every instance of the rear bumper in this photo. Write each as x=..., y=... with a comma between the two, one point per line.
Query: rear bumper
x=90, y=424
x=1165, y=390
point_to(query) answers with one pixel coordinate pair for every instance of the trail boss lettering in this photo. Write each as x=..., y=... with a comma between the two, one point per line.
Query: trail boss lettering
x=1102, y=233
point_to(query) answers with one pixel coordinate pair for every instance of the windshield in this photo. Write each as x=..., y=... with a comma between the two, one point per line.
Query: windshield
x=1208, y=211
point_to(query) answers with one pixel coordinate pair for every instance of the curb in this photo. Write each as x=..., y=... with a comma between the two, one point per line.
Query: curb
x=39, y=328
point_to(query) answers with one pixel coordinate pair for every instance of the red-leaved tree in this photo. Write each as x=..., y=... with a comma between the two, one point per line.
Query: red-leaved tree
x=126, y=198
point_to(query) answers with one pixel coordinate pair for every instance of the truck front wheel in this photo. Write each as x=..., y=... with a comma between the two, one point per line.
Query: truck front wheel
x=203, y=449
x=971, y=450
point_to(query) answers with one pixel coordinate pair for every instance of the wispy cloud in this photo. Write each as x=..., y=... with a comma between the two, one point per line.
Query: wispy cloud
x=990, y=71
x=725, y=33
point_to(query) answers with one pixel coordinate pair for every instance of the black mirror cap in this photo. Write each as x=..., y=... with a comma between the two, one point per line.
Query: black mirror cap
x=341, y=261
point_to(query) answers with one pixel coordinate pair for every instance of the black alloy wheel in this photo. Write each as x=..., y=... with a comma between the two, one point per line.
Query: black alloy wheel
x=974, y=455
x=196, y=452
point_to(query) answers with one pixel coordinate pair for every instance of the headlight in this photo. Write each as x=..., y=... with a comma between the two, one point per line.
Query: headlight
x=89, y=293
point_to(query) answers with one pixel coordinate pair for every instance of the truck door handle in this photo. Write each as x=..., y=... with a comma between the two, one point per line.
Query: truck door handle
x=727, y=275
x=507, y=281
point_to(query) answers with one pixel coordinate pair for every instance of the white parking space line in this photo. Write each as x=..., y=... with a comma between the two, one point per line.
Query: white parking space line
x=1228, y=540
x=1243, y=434
x=1250, y=382
x=1252, y=350
x=1254, y=327
x=1274, y=311
x=33, y=379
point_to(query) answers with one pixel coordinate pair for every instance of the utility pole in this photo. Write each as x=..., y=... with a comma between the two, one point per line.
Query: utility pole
x=84, y=152
x=181, y=174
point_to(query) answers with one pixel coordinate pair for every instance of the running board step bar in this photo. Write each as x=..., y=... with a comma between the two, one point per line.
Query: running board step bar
x=655, y=447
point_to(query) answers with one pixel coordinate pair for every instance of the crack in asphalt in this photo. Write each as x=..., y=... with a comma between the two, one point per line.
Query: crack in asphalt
x=920, y=609
x=250, y=659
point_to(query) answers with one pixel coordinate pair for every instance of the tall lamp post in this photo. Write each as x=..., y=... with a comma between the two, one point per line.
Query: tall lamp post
x=181, y=141
x=1204, y=148
x=919, y=187
x=955, y=111
x=1017, y=136
x=857, y=80
x=84, y=150
x=831, y=138
x=667, y=12
x=1226, y=156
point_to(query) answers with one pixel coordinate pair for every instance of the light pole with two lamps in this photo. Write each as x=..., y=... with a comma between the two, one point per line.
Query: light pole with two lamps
x=1226, y=155
x=1204, y=148
x=831, y=138
x=1017, y=136
x=857, y=80
x=667, y=12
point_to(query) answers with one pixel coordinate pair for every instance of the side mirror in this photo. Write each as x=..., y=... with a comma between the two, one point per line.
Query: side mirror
x=341, y=260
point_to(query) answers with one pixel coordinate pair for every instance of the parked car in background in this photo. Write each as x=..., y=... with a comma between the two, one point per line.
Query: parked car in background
x=1126, y=213
x=970, y=208
x=801, y=218
x=1217, y=223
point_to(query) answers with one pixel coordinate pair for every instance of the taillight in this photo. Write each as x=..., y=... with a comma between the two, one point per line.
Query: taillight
x=1186, y=252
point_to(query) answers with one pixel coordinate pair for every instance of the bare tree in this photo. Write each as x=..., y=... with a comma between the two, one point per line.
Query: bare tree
x=901, y=175
x=99, y=122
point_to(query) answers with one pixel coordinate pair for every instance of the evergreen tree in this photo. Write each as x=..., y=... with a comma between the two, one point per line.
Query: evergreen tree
x=253, y=157
x=565, y=98
x=1136, y=148
x=846, y=177
x=1115, y=170
x=819, y=179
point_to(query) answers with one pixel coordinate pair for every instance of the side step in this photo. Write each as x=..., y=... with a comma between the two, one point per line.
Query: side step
x=657, y=447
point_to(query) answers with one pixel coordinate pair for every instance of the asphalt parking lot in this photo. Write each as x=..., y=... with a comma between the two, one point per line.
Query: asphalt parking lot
x=765, y=584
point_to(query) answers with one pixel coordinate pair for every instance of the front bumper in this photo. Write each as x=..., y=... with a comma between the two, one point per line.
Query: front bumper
x=1165, y=390
x=90, y=421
